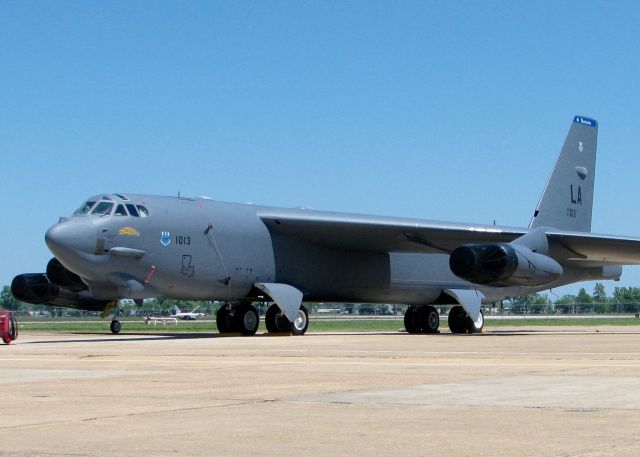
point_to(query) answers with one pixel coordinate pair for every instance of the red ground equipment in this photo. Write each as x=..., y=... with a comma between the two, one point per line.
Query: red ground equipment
x=8, y=327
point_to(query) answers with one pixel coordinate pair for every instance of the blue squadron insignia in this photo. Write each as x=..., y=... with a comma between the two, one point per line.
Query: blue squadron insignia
x=165, y=239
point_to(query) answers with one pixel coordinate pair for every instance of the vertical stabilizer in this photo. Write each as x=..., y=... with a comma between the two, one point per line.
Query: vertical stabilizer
x=567, y=200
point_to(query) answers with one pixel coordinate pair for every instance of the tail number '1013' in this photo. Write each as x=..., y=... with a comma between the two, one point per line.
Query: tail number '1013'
x=185, y=240
x=571, y=212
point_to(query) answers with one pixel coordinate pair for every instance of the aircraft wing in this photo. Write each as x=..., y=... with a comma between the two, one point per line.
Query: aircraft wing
x=388, y=234
x=383, y=234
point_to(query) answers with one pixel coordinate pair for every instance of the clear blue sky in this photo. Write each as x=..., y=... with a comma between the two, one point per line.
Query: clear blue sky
x=437, y=110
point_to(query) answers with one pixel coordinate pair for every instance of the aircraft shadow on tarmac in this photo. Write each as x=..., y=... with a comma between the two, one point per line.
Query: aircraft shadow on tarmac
x=107, y=337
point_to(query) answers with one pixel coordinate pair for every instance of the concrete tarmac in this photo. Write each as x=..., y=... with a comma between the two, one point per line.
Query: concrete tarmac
x=509, y=392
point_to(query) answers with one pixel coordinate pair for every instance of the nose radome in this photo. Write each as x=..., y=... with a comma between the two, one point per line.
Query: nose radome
x=67, y=238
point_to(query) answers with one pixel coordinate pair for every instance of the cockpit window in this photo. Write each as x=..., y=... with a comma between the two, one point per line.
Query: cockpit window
x=132, y=210
x=142, y=210
x=120, y=211
x=85, y=208
x=102, y=208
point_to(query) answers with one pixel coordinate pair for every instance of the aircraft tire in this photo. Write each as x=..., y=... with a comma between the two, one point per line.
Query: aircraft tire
x=412, y=319
x=430, y=319
x=477, y=326
x=246, y=319
x=275, y=321
x=301, y=324
x=115, y=326
x=223, y=320
x=457, y=320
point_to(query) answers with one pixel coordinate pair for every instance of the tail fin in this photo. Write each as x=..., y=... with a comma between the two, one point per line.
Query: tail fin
x=567, y=200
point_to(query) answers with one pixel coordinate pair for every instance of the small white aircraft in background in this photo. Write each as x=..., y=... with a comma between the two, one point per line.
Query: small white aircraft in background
x=190, y=316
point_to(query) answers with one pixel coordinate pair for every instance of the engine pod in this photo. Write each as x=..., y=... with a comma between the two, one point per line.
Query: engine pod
x=503, y=265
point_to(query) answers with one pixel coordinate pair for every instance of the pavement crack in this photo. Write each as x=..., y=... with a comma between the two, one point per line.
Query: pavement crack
x=136, y=414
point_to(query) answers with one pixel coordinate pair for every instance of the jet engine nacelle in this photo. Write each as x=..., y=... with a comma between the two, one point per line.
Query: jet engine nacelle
x=61, y=276
x=36, y=288
x=503, y=265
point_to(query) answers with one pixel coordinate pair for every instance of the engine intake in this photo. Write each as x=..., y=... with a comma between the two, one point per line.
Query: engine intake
x=61, y=276
x=503, y=265
x=37, y=289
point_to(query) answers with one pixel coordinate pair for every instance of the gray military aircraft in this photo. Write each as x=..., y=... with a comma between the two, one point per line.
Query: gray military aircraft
x=125, y=246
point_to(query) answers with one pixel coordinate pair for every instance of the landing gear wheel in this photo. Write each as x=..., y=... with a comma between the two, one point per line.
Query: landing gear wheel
x=300, y=325
x=224, y=321
x=430, y=319
x=421, y=319
x=457, y=320
x=277, y=322
x=115, y=326
x=246, y=319
x=412, y=320
x=475, y=326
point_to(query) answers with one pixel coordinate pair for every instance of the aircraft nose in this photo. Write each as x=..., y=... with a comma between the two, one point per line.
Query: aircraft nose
x=67, y=238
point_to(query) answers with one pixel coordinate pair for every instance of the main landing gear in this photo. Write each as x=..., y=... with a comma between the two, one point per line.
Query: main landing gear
x=460, y=322
x=243, y=318
x=421, y=319
x=425, y=319
x=277, y=322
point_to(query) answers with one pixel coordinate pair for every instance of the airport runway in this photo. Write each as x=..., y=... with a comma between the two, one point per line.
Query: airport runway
x=516, y=392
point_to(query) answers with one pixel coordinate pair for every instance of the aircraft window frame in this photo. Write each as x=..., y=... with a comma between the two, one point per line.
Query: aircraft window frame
x=144, y=212
x=103, y=212
x=120, y=210
x=132, y=210
x=85, y=208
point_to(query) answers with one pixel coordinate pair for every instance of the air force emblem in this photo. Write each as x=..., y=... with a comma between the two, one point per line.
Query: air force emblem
x=165, y=239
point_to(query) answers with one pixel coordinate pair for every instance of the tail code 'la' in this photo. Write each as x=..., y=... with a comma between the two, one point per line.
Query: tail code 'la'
x=567, y=200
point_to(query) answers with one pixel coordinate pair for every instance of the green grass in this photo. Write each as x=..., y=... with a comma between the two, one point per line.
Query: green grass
x=556, y=322
x=64, y=325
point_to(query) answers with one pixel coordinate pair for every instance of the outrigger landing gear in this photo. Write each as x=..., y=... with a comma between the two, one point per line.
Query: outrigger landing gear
x=421, y=319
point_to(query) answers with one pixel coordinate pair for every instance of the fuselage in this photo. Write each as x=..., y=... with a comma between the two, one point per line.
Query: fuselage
x=201, y=249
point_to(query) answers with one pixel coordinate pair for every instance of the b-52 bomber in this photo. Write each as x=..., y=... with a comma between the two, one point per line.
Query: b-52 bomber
x=125, y=246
